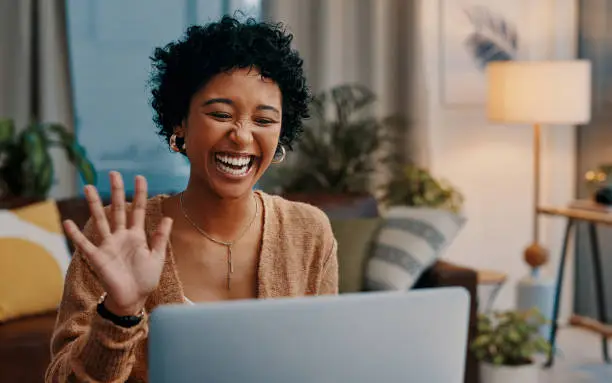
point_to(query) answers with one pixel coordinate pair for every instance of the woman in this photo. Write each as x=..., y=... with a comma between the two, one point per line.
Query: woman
x=230, y=96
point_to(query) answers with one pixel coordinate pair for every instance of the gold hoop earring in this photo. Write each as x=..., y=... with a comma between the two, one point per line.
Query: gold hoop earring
x=174, y=147
x=282, y=158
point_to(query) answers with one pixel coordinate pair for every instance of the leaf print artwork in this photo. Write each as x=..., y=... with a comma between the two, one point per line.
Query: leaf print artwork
x=474, y=33
x=493, y=38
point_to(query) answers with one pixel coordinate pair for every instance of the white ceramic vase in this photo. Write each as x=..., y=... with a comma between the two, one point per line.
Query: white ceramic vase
x=509, y=374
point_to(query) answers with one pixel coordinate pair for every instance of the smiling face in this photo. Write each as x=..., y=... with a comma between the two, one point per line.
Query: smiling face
x=232, y=131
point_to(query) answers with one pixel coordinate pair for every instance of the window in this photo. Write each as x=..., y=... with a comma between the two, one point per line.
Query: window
x=110, y=42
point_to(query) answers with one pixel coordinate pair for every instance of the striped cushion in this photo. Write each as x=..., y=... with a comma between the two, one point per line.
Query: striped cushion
x=409, y=241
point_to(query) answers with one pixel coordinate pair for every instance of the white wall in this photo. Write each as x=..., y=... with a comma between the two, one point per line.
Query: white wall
x=492, y=164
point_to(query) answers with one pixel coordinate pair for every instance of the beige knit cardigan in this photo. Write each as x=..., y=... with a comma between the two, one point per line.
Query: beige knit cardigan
x=298, y=257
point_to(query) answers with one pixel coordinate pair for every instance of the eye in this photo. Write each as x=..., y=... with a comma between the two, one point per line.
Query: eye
x=264, y=121
x=220, y=115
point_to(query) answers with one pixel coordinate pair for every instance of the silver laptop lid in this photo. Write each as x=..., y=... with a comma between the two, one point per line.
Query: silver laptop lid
x=389, y=337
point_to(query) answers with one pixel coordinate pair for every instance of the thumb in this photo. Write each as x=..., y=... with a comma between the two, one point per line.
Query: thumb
x=160, y=239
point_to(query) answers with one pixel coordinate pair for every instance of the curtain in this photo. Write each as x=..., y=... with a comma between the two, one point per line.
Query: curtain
x=34, y=73
x=371, y=42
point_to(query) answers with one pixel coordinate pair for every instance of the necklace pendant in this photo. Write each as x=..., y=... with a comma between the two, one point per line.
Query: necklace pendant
x=230, y=263
x=230, y=267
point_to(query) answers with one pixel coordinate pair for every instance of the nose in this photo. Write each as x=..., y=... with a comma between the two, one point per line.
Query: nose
x=241, y=135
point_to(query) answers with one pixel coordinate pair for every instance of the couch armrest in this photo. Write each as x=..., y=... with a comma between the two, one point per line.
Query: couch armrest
x=445, y=274
x=449, y=274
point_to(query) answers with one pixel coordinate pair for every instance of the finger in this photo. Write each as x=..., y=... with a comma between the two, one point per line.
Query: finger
x=139, y=205
x=117, y=201
x=159, y=241
x=79, y=239
x=97, y=211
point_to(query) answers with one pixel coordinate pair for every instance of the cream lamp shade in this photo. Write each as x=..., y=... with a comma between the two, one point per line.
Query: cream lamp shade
x=539, y=92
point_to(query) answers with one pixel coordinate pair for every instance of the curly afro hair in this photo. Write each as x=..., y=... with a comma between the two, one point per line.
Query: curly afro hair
x=183, y=67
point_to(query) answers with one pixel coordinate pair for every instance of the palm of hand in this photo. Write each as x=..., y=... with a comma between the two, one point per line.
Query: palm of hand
x=127, y=267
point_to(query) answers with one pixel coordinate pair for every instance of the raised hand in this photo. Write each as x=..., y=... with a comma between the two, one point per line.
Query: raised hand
x=127, y=267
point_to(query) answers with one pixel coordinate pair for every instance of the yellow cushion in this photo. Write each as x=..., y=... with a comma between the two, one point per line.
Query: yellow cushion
x=34, y=258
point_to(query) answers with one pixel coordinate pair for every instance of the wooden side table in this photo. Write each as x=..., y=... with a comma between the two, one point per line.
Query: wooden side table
x=592, y=218
x=492, y=278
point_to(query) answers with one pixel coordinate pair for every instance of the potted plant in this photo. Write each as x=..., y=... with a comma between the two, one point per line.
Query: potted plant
x=26, y=167
x=415, y=186
x=343, y=145
x=507, y=343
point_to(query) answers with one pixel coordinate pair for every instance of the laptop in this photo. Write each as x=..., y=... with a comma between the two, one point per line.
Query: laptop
x=387, y=337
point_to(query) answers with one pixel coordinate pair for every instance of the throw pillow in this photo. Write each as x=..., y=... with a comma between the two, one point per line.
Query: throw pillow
x=354, y=238
x=34, y=258
x=410, y=240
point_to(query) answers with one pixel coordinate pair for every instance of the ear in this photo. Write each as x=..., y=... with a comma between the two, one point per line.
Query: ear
x=179, y=130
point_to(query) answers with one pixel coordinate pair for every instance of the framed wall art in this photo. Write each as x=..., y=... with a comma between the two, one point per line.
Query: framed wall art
x=472, y=34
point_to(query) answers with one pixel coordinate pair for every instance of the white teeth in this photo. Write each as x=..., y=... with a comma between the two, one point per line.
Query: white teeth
x=231, y=160
x=224, y=161
x=237, y=172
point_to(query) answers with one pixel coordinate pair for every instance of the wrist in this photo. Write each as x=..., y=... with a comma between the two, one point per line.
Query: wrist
x=122, y=316
x=119, y=310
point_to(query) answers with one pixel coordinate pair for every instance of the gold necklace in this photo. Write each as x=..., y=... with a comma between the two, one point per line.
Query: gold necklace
x=230, y=265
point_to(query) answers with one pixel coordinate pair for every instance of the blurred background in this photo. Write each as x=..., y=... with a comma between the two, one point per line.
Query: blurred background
x=84, y=64
x=408, y=75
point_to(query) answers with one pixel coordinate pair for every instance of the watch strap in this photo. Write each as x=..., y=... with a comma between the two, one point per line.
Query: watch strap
x=126, y=321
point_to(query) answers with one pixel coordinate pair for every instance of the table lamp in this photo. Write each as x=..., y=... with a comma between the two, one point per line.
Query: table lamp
x=537, y=93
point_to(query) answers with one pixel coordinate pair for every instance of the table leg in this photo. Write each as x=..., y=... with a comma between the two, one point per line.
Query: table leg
x=561, y=270
x=599, y=288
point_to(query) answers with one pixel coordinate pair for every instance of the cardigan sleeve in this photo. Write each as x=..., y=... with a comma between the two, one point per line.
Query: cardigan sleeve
x=329, y=277
x=84, y=346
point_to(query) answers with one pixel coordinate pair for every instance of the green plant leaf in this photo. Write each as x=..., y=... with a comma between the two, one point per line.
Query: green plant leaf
x=514, y=336
x=27, y=168
x=338, y=153
x=84, y=166
x=7, y=132
x=508, y=338
x=498, y=360
x=76, y=154
x=35, y=144
x=35, y=148
x=44, y=178
x=415, y=186
x=66, y=138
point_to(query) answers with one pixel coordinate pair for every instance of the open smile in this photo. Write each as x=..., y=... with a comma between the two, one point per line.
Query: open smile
x=234, y=165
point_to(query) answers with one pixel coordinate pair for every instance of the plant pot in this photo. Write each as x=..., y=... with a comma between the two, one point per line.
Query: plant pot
x=339, y=206
x=490, y=373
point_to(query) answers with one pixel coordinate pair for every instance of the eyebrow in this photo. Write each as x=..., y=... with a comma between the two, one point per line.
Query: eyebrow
x=230, y=102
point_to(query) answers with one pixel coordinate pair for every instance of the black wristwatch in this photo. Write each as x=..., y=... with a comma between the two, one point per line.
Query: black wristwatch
x=126, y=321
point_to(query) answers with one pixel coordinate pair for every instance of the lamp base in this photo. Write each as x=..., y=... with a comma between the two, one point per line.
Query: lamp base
x=537, y=291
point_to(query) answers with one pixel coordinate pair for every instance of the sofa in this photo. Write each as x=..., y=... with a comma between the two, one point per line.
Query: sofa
x=354, y=237
x=25, y=342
